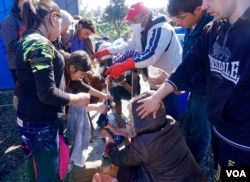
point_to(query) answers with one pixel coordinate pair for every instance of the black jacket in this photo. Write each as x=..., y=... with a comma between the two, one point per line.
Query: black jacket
x=223, y=55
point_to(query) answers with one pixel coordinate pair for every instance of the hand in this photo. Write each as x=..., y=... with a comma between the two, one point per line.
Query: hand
x=102, y=108
x=160, y=78
x=116, y=70
x=103, y=132
x=112, y=128
x=109, y=97
x=98, y=55
x=83, y=99
x=148, y=105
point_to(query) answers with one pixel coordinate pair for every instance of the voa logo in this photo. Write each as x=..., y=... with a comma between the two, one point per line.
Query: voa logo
x=236, y=173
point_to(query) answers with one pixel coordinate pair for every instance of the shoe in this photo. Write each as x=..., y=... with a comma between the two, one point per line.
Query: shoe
x=70, y=167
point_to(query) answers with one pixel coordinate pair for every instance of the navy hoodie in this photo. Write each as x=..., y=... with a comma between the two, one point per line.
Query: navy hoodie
x=223, y=55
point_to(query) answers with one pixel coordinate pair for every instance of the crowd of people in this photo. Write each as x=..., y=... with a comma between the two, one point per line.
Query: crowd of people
x=51, y=56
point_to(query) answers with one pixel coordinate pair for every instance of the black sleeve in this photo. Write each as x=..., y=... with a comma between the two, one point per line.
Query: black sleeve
x=42, y=61
x=195, y=61
x=131, y=155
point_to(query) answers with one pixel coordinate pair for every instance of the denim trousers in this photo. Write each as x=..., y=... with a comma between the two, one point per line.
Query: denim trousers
x=196, y=126
x=43, y=141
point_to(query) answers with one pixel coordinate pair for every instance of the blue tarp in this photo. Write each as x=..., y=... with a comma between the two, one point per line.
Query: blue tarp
x=6, y=81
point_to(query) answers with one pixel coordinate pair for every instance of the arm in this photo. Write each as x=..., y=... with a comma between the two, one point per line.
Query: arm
x=116, y=48
x=123, y=46
x=128, y=156
x=96, y=93
x=155, y=48
x=118, y=131
x=196, y=60
x=101, y=108
x=158, y=40
x=49, y=90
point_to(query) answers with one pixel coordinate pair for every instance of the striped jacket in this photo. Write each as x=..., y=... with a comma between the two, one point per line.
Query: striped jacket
x=158, y=45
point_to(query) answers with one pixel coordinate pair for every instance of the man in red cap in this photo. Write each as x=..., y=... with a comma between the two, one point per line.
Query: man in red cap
x=136, y=9
x=155, y=40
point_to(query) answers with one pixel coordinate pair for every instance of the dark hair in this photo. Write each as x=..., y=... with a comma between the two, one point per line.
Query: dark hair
x=88, y=24
x=175, y=7
x=80, y=60
x=34, y=12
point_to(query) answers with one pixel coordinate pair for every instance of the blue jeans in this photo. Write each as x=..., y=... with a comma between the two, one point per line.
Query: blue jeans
x=196, y=126
x=43, y=142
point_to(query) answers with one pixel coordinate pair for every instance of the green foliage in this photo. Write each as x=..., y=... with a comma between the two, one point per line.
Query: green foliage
x=114, y=14
x=110, y=31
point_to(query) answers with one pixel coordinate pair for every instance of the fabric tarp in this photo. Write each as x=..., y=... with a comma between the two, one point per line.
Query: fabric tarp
x=6, y=81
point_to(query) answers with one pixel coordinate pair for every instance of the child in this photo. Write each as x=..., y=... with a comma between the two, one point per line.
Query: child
x=78, y=67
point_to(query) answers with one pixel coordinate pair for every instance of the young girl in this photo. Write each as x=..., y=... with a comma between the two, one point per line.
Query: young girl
x=78, y=67
x=40, y=73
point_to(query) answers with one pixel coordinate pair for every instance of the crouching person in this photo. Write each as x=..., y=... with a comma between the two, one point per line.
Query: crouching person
x=157, y=151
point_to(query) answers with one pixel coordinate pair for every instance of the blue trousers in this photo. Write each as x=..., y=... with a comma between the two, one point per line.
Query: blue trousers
x=43, y=142
x=196, y=126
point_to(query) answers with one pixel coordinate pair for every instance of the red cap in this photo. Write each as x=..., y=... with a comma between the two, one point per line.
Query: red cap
x=135, y=9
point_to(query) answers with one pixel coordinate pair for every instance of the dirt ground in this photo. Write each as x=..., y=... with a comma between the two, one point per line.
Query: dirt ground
x=17, y=167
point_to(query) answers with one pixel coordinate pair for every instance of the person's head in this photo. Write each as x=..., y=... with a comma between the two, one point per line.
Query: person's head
x=185, y=13
x=67, y=21
x=226, y=9
x=42, y=14
x=85, y=28
x=77, y=64
x=138, y=16
x=136, y=125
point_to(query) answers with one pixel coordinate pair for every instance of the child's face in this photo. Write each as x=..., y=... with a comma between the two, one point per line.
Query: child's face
x=75, y=75
x=187, y=19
